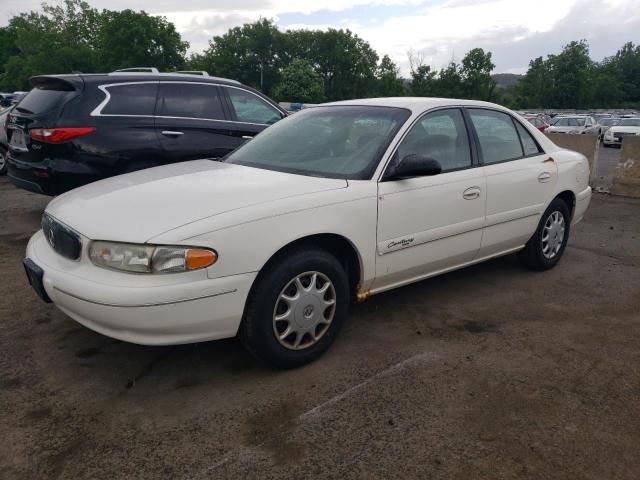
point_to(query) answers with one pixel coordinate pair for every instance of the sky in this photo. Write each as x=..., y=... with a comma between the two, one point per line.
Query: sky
x=515, y=31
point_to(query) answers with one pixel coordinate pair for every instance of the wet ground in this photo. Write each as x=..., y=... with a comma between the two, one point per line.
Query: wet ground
x=488, y=372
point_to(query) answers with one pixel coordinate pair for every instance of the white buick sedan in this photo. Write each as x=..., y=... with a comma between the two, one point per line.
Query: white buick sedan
x=335, y=203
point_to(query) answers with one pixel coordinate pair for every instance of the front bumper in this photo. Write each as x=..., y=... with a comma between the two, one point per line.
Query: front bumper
x=145, y=309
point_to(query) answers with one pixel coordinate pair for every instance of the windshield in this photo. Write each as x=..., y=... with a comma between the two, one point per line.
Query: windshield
x=629, y=122
x=569, y=122
x=332, y=141
x=607, y=122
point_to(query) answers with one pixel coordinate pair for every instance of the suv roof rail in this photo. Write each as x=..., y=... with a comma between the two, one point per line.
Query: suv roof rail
x=139, y=69
x=194, y=72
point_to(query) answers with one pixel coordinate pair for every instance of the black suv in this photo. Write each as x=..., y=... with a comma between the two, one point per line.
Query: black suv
x=74, y=129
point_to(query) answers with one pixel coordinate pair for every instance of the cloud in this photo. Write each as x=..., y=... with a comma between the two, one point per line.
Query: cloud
x=514, y=31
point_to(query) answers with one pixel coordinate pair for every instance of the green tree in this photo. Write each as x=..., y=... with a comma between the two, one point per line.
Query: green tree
x=449, y=82
x=299, y=82
x=346, y=63
x=475, y=74
x=533, y=90
x=422, y=83
x=571, y=73
x=389, y=82
x=251, y=54
x=627, y=60
x=135, y=39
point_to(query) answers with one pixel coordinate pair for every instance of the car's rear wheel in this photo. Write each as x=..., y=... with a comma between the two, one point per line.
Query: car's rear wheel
x=547, y=245
x=296, y=308
x=4, y=166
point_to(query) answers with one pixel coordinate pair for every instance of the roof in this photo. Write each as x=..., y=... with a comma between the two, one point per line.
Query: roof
x=137, y=76
x=415, y=103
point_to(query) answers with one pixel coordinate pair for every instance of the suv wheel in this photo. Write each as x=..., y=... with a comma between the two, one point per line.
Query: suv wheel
x=547, y=245
x=296, y=308
x=4, y=166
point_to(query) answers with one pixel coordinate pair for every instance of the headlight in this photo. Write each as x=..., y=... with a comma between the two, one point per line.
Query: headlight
x=134, y=258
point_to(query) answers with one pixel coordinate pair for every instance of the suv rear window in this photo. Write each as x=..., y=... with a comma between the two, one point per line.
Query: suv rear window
x=131, y=99
x=41, y=100
x=189, y=100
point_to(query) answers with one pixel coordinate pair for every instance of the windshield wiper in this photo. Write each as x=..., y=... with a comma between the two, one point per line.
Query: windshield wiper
x=23, y=110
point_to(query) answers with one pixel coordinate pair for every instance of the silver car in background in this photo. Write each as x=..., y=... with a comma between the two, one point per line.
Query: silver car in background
x=576, y=124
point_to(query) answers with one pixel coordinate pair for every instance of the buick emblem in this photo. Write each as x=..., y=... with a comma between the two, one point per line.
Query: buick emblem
x=51, y=236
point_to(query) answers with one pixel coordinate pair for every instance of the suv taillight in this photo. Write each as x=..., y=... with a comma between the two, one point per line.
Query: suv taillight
x=59, y=135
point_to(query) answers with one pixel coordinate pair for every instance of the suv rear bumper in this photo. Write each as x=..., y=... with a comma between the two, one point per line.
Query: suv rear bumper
x=47, y=178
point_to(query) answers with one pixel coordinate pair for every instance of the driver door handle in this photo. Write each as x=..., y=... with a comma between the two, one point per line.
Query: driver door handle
x=471, y=193
x=171, y=133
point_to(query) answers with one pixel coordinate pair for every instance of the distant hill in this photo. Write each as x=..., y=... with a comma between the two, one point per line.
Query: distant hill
x=505, y=80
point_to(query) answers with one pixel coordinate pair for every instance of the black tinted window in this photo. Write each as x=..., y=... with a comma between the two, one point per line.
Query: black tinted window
x=498, y=138
x=40, y=100
x=191, y=100
x=134, y=99
x=528, y=143
x=442, y=136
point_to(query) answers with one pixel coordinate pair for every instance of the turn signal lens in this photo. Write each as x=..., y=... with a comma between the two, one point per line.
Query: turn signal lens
x=197, y=258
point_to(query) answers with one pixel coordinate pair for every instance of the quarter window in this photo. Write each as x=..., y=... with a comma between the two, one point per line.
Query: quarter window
x=441, y=135
x=497, y=135
x=189, y=100
x=133, y=99
x=252, y=109
x=528, y=143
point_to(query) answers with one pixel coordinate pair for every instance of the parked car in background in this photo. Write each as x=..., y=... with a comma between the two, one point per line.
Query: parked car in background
x=578, y=124
x=71, y=130
x=537, y=121
x=4, y=113
x=606, y=123
x=338, y=201
x=625, y=127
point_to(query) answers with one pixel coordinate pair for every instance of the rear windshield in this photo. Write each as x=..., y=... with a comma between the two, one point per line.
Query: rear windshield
x=41, y=100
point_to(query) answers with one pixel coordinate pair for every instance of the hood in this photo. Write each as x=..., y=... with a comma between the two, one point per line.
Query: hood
x=553, y=128
x=624, y=129
x=138, y=206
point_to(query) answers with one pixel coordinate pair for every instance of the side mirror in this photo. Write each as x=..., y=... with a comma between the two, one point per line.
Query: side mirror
x=414, y=165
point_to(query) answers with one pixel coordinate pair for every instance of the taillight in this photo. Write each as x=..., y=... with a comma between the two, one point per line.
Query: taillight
x=59, y=135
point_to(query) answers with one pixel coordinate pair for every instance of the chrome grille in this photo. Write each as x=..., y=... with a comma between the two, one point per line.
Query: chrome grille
x=62, y=239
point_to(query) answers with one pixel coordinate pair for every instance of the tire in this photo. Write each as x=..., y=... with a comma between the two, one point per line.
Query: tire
x=139, y=165
x=4, y=165
x=259, y=330
x=534, y=256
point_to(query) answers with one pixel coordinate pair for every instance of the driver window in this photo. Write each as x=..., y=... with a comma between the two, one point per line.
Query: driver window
x=440, y=135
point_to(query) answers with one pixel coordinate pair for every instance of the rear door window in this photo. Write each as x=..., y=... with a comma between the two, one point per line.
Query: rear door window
x=497, y=135
x=131, y=99
x=189, y=100
x=528, y=143
x=251, y=108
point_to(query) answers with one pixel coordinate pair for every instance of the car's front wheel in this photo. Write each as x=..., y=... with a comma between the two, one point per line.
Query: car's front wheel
x=296, y=308
x=547, y=245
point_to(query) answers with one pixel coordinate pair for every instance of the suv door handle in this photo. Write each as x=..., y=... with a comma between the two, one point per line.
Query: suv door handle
x=471, y=193
x=171, y=133
x=544, y=177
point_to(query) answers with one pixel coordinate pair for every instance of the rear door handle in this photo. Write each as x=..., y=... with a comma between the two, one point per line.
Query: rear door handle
x=171, y=133
x=544, y=177
x=471, y=193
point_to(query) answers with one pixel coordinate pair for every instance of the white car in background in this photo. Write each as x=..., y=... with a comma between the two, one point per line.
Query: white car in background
x=335, y=203
x=577, y=124
x=625, y=127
